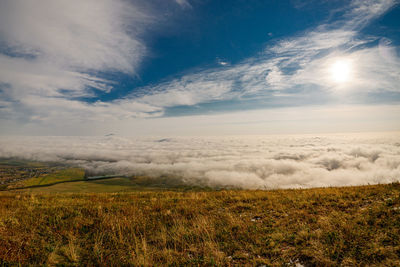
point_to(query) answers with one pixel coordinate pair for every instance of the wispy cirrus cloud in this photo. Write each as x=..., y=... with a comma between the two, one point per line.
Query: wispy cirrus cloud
x=184, y=3
x=292, y=64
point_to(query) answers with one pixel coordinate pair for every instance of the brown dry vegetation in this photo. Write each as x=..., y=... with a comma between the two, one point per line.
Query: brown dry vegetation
x=315, y=227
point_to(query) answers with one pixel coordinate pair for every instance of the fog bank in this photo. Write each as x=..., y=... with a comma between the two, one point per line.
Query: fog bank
x=250, y=162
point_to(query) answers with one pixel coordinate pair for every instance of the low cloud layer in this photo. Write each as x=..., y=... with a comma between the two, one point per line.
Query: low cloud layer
x=251, y=162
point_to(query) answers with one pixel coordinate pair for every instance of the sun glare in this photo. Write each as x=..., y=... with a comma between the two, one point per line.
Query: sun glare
x=341, y=71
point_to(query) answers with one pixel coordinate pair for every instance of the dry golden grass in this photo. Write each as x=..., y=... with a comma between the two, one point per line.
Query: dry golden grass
x=316, y=227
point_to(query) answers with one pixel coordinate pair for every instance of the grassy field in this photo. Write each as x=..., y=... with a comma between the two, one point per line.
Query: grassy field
x=315, y=227
x=23, y=163
x=64, y=175
x=111, y=185
x=17, y=173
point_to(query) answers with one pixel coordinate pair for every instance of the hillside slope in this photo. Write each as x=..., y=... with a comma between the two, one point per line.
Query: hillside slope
x=314, y=227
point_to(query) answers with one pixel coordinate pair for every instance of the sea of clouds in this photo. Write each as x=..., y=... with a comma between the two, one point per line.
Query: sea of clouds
x=251, y=162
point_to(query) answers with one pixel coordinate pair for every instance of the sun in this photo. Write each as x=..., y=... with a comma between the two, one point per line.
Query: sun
x=341, y=70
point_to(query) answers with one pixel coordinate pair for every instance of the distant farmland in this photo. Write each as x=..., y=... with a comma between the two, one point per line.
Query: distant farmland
x=28, y=176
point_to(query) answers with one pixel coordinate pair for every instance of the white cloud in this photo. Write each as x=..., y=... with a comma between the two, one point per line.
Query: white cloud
x=88, y=35
x=32, y=77
x=55, y=50
x=55, y=45
x=189, y=90
x=183, y=3
x=222, y=62
x=363, y=11
x=256, y=162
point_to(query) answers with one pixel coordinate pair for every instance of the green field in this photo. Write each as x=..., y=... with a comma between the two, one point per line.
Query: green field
x=59, y=176
x=16, y=173
x=111, y=185
x=18, y=162
x=352, y=226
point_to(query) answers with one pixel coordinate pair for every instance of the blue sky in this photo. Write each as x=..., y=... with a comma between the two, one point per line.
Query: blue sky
x=198, y=67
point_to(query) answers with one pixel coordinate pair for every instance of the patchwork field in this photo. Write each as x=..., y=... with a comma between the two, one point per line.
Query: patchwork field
x=314, y=227
x=41, y=177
